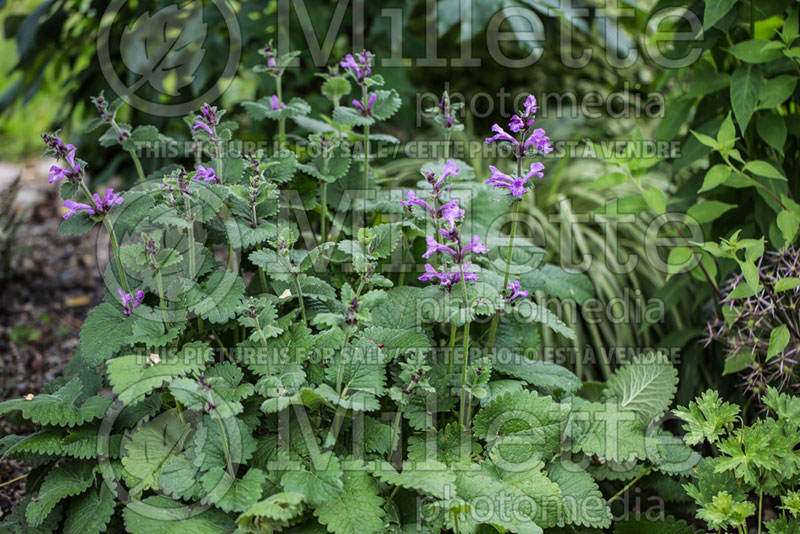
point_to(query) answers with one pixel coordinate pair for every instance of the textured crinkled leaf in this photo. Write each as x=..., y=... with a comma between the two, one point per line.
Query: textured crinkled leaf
x=160, y=515
x=386, y=104
x=646, y=386
x=527, y=311
x=584, y=503
x=431, y=478
x=320, y=484
x=607, y=431
x=96, y=344
x=546, y=375
x=272, y=513
x=60, y=408
x=233, y=495
x=399, y=310
x=218, y=300
x=262, y=109
x=80, y=223
x=91, y=512
x=358, y=509
x=17, y=523
x=133, y=377
x=706, y=417
x=351, y=117
x=67, y=480
x=150, y=448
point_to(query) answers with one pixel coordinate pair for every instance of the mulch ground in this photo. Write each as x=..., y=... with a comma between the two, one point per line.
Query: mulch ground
x=51, y=283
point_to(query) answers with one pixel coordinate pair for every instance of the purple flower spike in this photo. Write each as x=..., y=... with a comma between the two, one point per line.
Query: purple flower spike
x=434, y=247
x=516, y=124
x=206, y=120
x=73, y=171
x=515, y=186
x=516, y=291
x=475, y=246
x=530, y=106
x=130, y=303
x=536, y=170
x=275, y=103
x=75, y=207
x=539, y=140
x=413, y=200
x=448, y=279
x=110, y=199
x=451, y=213
x=368, y=111
x=501, y=135
x=358, y=66
x=206, y=174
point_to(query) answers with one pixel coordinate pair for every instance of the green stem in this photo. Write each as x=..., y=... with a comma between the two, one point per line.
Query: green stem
x=496, y=318
x=136, y=162
x=115, y=245
x=760, y=504
x=364, y=100
x=9, y=482
x=263, y=345
x=281, y=121
x=323, y=232
x=395, y=428
x=300, y=298
x=464, y=397
x=629, y=485
x=160, y=292
x=225, y=447
x=452, y=349
x=190, y=232
x=340, y=371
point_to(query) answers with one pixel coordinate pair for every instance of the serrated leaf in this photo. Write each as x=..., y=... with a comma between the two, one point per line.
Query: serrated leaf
x=217, y=301
x=431, y=477
x=60, y=408
x=91, y=512
x=67, y=480
x=358, y=509
x=233, y=495
x=321, y=484
x=96, y=343
x=645, y=386
x=583, y=501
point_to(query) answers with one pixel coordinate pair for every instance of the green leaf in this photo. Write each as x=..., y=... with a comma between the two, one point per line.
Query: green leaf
x=762, y=168
x=233, y=495
x=358, y=509
x=664, y=526
x=607, y=431
x=706, y=417
x=218, y=300
x=63, y=407
x=646, y=386
x=715, y=176
x=336, y=87
x=776, y=90
x=788, y=222
x=784, y=284
x=261, y=109
x=67, y=480
x=160, y=515
x=91, y=512
x=772, y=129
x=320, y=485
x=746, y=83
x=133, y=377
x=755, y=51
x=715, y=10
x=709, y=211
x=272, y=513
x=778, y=339
x=431, y=477
x=150, y=448
x=78, y=224
x=547, y=375
x=655, y=200
x=538, y=421
x=726, y=136
x=608, y=180
x=351, y=117
x=583, y=501
x=96, y=343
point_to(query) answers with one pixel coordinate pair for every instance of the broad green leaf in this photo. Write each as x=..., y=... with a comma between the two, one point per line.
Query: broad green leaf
x=583, y=501
x=715, y=176
x=655, y=200
x=91, y=512
x=715, y=10
x=63, y=407
x=67, y=480
x=96, y=343
x=358, y=509
x=709, y=211
x=431, y=478
x=762, y=168
x=772, y=129
x=233, y=495
x=778, y=339
x=755, y=51
x=321, y=484
x=646, y=385
x=746, y=84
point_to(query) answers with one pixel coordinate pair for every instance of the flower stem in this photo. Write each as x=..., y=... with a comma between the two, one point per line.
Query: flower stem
x=629, y=485
x=190, y=235
x=136, y=162
x=115, y=245
x=281, y=121
x=160, y=292
x=364, y=101
x=300, y=298
x=493, y=328
x=9, y=482
x=452, y=348
x=340, y=371
x=323, y=232
x=465, y=400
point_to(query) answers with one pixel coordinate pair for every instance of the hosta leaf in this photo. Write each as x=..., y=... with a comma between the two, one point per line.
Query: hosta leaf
x=132, y=377
x=358, y=509
x=61, y=408
x=319, y=485
x=67, y=480
x=91, y=512
x=431, y=478
x=645, y=386
x=233, y=495
x=583, y=502
x=218, y=300
x=97, y=343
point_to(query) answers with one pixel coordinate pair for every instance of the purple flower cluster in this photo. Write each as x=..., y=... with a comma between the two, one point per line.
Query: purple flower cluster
x=527, y=139
x=516, y=291
x=271, y=56
x=358, y=65
x=72, y=172
x=57, y=146
x=102, y=205
x=129, y=302
x=207, y=120
x=446, y=110
x=451, y=214
x=102, y=108
x=206, y=174
x=275, y=103
x=366, y=112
